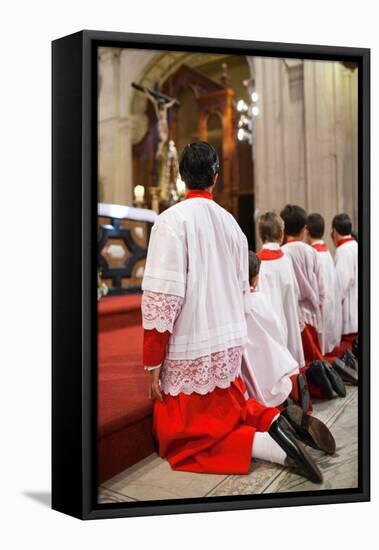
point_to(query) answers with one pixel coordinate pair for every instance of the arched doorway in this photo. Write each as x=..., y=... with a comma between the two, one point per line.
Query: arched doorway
x=201, y=117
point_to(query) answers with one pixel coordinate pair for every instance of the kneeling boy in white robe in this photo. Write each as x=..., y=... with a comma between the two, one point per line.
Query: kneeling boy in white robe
x=332, y=308
x=278, y=282
x=346, y=261
x=309, y=275
x=268, y=368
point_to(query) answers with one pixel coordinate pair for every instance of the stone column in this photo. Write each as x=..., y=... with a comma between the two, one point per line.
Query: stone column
x=118, y=128
x=108, y=120
x=305, y=136
x=124, y=162
x=278, y=132
x=331, y=139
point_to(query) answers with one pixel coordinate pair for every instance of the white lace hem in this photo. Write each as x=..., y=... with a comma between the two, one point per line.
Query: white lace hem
x=159, y=311
x=201, y=375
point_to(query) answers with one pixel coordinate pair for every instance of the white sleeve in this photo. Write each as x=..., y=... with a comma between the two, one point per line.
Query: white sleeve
x=320, y=277
x=292, y=297
x=148, y=369
x=160, y=310
x=294, y=284
x=344, y=275
x=243, y=275
x=166, y=262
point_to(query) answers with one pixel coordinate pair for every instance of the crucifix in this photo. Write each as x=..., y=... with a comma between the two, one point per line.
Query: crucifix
x=161, y=103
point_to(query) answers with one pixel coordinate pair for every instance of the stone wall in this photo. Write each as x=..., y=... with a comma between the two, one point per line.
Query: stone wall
x=305, y=137
x=118, y=68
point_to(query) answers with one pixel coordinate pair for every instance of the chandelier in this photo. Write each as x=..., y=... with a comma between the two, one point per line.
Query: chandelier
x=247, y=112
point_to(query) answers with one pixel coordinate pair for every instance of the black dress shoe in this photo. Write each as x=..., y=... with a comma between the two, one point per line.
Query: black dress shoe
x=348, y=358
x=355, y=348
x=348, y=375
x=317, y=376
x=310, y=430
x=304, y=397
x=289, y=401
x=297, y=456
x=335, y=379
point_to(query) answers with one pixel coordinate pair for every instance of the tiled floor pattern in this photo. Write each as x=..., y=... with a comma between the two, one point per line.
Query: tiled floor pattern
x=153, y=479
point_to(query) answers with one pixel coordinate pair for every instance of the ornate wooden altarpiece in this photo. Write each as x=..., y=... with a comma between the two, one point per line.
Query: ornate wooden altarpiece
x=212, y=98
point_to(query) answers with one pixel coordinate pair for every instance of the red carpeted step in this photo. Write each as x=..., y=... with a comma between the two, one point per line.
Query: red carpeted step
x=119, y=311
x=124, y=408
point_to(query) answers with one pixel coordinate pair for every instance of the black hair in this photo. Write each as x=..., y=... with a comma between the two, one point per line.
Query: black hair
x=254, y=265
x=295, y=219
x=316, y=225
x=342, y=224
x=198, y=165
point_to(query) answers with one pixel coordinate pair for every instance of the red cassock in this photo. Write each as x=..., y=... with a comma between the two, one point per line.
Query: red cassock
x=210, y=433
x=311, y=284
x=311, y=345
x=346, y=343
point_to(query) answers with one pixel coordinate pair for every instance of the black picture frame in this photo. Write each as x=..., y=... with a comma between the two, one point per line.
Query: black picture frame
x=74, y=293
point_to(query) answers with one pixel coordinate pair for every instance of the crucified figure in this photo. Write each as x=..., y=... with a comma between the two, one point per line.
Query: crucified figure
x=161, y=103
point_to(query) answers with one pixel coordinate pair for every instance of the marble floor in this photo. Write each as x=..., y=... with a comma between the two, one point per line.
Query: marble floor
x=153, y=479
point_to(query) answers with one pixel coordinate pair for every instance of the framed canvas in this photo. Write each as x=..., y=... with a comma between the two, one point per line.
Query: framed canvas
x=136, y=119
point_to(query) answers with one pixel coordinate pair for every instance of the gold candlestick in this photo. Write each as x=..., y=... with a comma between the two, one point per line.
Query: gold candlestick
x=155, y=194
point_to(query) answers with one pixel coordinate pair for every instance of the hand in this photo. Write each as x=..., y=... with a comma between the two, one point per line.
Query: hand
x=155, y=392
x=155, y=387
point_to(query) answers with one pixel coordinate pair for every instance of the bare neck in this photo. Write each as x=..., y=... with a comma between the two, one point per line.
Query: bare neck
x=312, y=240
x=291, y=238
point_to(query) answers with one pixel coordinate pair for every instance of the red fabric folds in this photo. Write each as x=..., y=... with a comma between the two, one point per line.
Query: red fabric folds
x=343, y=241
x=311, y=344
x=267, y=254
x=320, y=247
x=314, y=391
x=349, y=338
x=199, y=193
x=154, y=347
x=210, y=433
x=346, y=343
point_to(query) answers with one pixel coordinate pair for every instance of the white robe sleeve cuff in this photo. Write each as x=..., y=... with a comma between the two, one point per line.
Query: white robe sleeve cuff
x=148, y=369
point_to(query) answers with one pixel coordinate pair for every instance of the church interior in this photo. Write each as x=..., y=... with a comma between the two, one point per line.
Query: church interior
x=286, y=132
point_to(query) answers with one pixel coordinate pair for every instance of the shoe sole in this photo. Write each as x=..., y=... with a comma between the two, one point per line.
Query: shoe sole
x=312, y=472
x=312, y=428
x=347, y=374
x=335, y=380
x=303, y=393
x=350, y=360
x=321, y=380
x=308, y=469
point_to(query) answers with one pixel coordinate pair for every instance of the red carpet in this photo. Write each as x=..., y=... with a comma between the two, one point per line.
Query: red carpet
x=124, y=409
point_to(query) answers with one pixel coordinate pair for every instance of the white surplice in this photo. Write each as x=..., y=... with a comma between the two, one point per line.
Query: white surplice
x=346, y=262
x=267, y=364
x=278, y=283
x=197, y=251
x=332, y=308
x=308, y=271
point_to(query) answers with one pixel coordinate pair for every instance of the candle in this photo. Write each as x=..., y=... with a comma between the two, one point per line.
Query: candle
x=180, y=187
x=139, y=193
